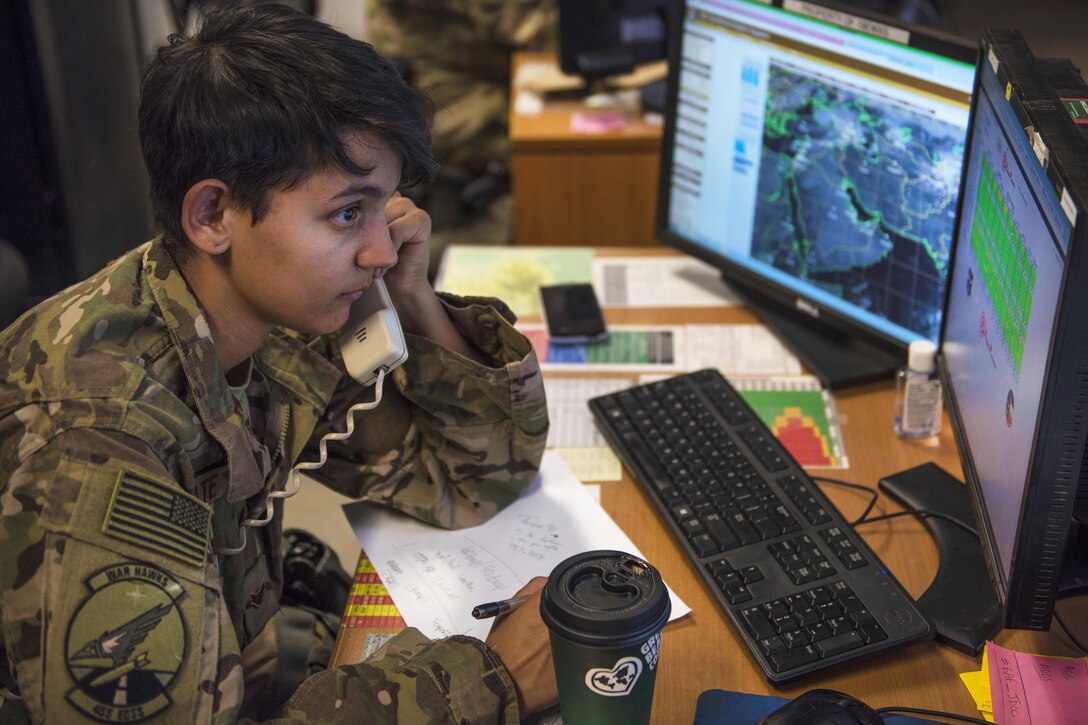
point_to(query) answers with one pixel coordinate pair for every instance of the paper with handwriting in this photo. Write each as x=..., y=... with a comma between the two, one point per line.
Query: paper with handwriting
x=1029, y=688
x=436, y=576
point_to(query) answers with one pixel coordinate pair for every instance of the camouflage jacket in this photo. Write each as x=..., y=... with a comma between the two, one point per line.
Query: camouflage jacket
x=126, y=460
x=459, y=51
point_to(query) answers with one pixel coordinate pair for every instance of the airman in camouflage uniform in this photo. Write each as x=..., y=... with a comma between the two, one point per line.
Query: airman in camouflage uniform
x=459, y=53
x=136, y=432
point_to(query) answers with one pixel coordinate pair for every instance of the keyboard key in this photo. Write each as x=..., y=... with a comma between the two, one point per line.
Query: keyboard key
x=737, y=594
x=855, y=561
x=758, y=624
x=850, y=603
x=727, y=579
x=796, y=602
x=692, y=527
x=719, y=565
x=772, y=645
x=704, y=545
x=873, y=633
x=793, y=658
x=777, y=608
x=795, y=639
x=783, y=623
x=861, y=618
x=751, y=574
x=721, y=533
x=839, y=643
x=808, y=617
x=838, y=625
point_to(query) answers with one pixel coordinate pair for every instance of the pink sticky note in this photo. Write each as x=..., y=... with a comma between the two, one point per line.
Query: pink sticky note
x=597, y=121
x=1029, y=688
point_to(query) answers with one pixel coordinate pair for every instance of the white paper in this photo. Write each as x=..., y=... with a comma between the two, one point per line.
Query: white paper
x=657, y=281
x=436, y=576
x=571, y=423
x=739, y=350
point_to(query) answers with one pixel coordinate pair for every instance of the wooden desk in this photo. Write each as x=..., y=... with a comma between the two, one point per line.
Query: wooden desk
x=581, y=189
x=702, y=651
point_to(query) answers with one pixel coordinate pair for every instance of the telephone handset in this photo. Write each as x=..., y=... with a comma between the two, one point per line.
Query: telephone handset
x=372, y=344
x=372, y=338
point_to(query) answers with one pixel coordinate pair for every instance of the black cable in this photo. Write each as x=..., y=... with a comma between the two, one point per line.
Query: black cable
x=935, y=713
x=872, y=501
x=921, y=513
x=1069, y=633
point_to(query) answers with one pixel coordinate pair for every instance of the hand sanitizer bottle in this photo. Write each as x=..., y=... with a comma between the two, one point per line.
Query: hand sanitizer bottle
x=918, y=393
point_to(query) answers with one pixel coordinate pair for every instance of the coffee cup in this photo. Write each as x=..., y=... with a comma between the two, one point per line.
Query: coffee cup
x=604, y=611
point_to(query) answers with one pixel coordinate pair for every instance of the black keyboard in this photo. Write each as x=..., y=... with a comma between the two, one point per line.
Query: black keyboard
x=800, y=586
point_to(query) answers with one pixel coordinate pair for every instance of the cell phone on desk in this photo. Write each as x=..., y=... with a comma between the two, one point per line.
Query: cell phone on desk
x=572, y=314
x=372, y=339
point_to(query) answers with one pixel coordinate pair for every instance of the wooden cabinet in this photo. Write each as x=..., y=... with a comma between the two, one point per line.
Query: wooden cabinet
x=577, y=188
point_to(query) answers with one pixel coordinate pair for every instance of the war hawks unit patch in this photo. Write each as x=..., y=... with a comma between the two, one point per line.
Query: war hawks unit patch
x=125, y=643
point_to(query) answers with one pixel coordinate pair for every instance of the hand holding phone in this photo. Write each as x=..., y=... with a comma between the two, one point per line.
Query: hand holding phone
x=572, y=313
x=372, y=338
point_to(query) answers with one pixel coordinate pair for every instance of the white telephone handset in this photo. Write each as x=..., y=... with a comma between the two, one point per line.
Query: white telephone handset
x=372, y=344
x=372, y=338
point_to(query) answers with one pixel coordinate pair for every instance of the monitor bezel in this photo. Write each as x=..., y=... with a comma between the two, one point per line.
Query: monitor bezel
x=572, y=43
x=781, y=303
x=1027, y=594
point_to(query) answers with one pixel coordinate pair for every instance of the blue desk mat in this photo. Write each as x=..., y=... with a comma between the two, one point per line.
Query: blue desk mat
x=722, y=707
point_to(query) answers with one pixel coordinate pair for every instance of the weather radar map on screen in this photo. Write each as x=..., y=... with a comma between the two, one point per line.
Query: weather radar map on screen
x=808, y=155
x=857, y=195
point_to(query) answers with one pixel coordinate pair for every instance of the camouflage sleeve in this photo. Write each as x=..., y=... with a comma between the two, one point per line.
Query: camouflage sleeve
x=477, y=432
x=411, y=679
x=104, y=619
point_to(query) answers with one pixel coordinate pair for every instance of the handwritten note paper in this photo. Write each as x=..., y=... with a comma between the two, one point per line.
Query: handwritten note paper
x=1027, y=688
x=978, y=684
x=437, y=576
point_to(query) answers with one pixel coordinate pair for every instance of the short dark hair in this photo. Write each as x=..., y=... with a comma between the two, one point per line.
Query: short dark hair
x=263, y=96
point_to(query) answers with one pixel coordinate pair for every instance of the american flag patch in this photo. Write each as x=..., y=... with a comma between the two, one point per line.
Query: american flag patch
x=159, y=517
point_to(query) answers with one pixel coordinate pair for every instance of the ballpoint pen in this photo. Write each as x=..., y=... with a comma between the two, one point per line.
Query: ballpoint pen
x=494, y=609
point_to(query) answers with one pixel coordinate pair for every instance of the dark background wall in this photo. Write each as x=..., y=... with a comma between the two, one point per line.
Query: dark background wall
x=72, y=185
x=1053, y=28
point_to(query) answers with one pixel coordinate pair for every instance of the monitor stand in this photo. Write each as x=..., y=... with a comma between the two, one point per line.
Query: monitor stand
x=1074, y=577
x=961, y=601
x=836, y=358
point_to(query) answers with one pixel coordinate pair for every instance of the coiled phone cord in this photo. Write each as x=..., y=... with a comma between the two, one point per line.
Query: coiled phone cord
x=295, y=480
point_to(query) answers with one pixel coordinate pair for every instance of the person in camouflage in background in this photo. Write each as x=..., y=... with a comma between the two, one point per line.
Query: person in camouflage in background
x=145, y=412
x=458, y=53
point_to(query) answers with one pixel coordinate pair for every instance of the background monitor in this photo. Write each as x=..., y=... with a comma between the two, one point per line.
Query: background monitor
x=1014, y=344
x=599, y=38
x=813, y=154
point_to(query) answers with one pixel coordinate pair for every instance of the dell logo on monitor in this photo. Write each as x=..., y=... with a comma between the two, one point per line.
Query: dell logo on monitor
x=807, y=307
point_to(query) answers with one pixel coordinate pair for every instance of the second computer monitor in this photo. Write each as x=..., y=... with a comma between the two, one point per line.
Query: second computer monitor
x=1014, y=349
x=814, y=155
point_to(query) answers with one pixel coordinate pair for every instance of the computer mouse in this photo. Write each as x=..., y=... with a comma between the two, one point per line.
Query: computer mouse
x=823, y=707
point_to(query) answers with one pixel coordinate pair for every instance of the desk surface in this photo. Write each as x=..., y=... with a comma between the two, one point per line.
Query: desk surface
x=702, y=651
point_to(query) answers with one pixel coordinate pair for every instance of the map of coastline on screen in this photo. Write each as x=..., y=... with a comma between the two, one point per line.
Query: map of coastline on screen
x=820, y=159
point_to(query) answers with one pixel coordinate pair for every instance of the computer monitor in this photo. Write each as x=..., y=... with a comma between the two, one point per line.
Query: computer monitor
x=599, y=38
x=813, y=154
x=1014, y=342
